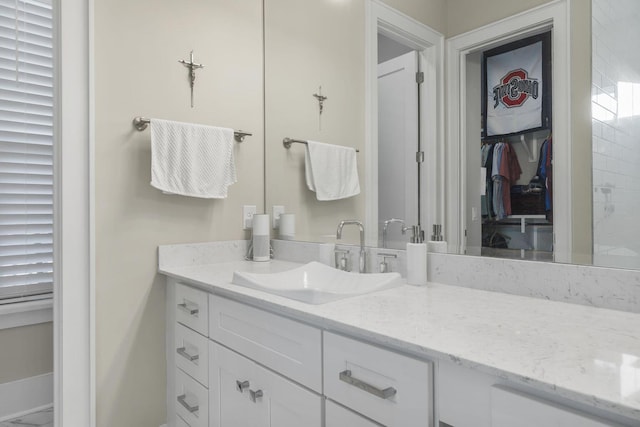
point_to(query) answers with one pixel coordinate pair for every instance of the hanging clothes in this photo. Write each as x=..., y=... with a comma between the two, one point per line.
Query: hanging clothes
x=505, y=171
x=487, y=206
x=510, y=170
x=545, y=171
x=486, y=160
x=497, y=199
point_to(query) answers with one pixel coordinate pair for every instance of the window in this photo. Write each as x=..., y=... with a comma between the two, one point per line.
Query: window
x=26, y=150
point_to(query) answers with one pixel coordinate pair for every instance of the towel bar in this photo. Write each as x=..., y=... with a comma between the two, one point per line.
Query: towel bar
x=288, y=141
x=141, y=123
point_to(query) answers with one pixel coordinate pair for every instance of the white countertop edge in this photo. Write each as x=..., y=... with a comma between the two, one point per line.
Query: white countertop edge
x=286, y=307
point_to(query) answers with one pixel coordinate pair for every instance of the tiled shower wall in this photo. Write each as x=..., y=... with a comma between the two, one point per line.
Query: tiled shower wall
x=616, y=132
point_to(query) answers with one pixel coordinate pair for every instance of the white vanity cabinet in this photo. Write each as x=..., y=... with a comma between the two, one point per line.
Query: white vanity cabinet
x=257, y=368
x=231, y=364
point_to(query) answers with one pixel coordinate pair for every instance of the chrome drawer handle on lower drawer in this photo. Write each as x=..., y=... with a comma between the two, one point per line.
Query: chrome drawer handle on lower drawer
x=182, y=351
x=183, y=401
x=382, y=394
x=190, y=311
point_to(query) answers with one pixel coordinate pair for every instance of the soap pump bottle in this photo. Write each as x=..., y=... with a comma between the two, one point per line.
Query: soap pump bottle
x=417, y=258
x=437, y=243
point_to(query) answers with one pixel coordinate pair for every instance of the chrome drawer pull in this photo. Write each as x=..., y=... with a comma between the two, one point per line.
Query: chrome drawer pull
x=382, y=394
x=189, y=311
x=183, y=401
x=241, y=385
x=255, y=395
x=182, y=351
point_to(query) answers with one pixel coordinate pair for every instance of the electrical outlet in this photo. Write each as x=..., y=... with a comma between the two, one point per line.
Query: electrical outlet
x=248, y=211
x=277, y=211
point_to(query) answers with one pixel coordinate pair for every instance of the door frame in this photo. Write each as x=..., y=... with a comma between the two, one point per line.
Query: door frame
x=73, y=283
x=429, y=43
x=556, y=15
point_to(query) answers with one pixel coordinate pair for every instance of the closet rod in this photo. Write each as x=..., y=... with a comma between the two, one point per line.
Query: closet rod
x=141, y=123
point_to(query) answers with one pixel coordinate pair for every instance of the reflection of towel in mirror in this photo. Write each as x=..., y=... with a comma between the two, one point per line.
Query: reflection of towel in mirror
x=331, y=171
x=192, y=160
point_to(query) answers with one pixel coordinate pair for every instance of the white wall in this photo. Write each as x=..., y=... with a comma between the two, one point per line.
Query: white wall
x=27, y=351
x=467, y=15
x=430, y=12
x=137, y=48
x=616, y=133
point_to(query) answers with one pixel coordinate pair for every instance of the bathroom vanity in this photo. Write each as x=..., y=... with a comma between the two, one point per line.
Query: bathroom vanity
x=436, y=355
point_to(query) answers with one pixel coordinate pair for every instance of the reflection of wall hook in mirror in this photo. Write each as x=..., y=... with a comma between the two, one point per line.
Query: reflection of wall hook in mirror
x=321, y=98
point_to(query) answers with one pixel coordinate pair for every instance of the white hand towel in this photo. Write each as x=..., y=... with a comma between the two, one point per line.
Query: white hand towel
x=331, y=171
x=192, y=160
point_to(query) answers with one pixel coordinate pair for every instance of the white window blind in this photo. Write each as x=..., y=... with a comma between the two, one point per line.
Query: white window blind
x=26, y=150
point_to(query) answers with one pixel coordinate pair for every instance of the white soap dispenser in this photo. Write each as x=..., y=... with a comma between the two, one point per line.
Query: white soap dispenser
x=417, y=258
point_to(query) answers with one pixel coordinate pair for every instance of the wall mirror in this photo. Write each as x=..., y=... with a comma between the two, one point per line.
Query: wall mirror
x=595, y=149
x=369, y=46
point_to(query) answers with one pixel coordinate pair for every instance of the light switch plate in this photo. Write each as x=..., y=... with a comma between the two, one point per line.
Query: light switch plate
x=248, y=211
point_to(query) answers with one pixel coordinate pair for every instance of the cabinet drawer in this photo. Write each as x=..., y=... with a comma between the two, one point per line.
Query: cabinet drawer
x=337, y=416
x=387, y=387
x=191, y=400
x=288, y=347
x=191, y=308
x=511, y=408
x=192, y=353
x=244, y=393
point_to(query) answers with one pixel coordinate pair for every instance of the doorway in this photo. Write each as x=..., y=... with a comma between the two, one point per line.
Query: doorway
x=460, y=178
x=509, y=150
x=391, y=34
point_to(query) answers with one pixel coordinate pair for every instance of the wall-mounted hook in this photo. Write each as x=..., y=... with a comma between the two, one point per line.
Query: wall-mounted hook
x=192, y=66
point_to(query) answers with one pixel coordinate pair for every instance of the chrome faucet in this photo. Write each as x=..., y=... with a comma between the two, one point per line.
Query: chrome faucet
x=384, y=229
x=363, y=253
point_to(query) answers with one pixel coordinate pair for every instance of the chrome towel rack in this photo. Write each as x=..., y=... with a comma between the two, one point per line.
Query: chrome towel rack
x=288, y=141
x=141, y=123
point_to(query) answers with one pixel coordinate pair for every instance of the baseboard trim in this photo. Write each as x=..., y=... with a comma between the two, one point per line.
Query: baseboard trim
x=20, y=397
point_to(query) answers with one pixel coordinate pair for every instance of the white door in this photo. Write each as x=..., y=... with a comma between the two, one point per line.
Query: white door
x=397, y=146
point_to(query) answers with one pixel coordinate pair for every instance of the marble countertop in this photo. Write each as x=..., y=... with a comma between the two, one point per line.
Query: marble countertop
x=589, y=355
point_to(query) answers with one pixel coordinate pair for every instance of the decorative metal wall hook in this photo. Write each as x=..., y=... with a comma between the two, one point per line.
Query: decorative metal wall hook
x=192, y=66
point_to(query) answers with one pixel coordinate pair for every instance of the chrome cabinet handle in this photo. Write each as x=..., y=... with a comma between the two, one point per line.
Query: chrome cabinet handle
x=255, y=395
x=241, y=385
x=183, y=401
x=189, y=311
x=182, y=351
x=381, y=393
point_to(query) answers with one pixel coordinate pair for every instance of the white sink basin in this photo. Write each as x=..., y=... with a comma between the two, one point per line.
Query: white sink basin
x=317, y=283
